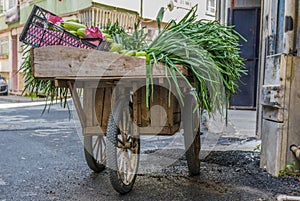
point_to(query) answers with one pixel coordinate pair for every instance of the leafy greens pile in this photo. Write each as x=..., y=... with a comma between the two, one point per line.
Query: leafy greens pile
x=209, y=50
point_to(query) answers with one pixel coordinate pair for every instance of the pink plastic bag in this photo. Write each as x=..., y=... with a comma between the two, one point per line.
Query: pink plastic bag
x=54, y=19
x=94, y=32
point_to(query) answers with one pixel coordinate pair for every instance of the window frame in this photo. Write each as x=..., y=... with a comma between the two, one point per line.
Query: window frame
x=11, y=4
x=4, y=51
x=209, y=7
x=3, y=4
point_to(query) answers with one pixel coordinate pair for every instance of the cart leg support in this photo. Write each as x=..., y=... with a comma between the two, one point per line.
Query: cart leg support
x=77, y=104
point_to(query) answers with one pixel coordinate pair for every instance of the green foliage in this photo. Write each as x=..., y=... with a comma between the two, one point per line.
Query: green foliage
x=289, y=170
x=209, y=50
x=45, y=87
x=31, y=95
x=159, y=17
x=113, y=29
x=257, y=148
x=132, y=41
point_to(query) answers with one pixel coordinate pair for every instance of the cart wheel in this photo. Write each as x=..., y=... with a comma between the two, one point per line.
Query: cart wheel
x=191, y=126
x=122, y=148
x=95, y=152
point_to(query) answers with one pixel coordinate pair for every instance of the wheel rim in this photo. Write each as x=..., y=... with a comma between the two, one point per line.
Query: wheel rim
x=99, y=149
x=127, y=148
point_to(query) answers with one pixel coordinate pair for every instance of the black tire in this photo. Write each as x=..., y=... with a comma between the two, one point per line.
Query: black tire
x=95, y=152
x=122, y=149
x=191, y=126
x=6, y=93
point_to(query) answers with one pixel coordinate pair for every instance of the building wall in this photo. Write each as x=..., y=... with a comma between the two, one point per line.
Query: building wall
x=54, y=6
x=149, y=9
x=133, y=5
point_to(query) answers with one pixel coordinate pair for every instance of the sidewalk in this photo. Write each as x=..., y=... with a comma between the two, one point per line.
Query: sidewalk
x=241, y=123
x=238, y=134
x=19, y=99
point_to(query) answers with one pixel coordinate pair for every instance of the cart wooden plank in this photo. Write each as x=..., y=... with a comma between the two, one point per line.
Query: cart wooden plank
x=99, y=105
x=88, y=106
x=60, y=61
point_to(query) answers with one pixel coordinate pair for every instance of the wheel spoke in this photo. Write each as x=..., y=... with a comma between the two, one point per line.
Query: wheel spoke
x=131, y=165
x=101, y=147
x=127, y=123
x=120, y=143
x=104, y=152
x=119, y=154
x=124, y=172
x=98, y=146
x=95, y=144
x=132, y=147
x=124, y=129
x=124, y=122
x=120, y=161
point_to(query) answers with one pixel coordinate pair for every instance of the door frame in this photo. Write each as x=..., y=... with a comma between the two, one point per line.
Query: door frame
x=256, y=52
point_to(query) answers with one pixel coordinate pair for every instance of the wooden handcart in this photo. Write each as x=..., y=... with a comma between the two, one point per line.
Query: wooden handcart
x=114, y=107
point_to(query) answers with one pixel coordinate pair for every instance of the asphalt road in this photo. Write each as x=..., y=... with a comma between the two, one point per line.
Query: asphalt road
x=42, y=159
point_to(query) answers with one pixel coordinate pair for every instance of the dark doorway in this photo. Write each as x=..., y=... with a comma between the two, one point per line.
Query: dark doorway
x=247, y=23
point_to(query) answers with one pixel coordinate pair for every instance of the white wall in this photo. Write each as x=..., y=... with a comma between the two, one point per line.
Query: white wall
x=127, y=4
x=151, y=8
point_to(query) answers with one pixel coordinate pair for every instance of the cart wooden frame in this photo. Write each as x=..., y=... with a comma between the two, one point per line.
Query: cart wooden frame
x=110, y=83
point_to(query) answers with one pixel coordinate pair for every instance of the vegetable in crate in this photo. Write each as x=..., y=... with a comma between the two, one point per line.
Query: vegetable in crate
x=73, y=26
x=80, y=32
x=93, y=33
x=131, y=43
x=54, y=19
x=115, y=47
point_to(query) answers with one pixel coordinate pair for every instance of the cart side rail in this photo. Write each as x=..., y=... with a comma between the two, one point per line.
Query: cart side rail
x=60, y=61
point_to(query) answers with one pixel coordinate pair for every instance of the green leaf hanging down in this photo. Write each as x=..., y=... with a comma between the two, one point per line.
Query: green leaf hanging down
x=46, y=88
x=159, y=17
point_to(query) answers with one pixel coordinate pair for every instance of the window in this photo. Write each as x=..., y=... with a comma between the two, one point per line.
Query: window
x=7, y=4
x=183, y=3
x=4, y=47
x=211, y=7
x=12, y=3
x=2, y=6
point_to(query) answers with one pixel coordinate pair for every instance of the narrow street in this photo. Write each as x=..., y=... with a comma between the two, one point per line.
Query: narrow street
x=42, y=159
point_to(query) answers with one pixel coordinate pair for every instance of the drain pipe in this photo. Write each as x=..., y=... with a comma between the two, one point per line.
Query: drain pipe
x=296, y=150
x=287, y=197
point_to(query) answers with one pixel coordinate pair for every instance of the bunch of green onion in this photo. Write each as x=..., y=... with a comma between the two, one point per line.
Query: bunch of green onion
x=210, y=52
